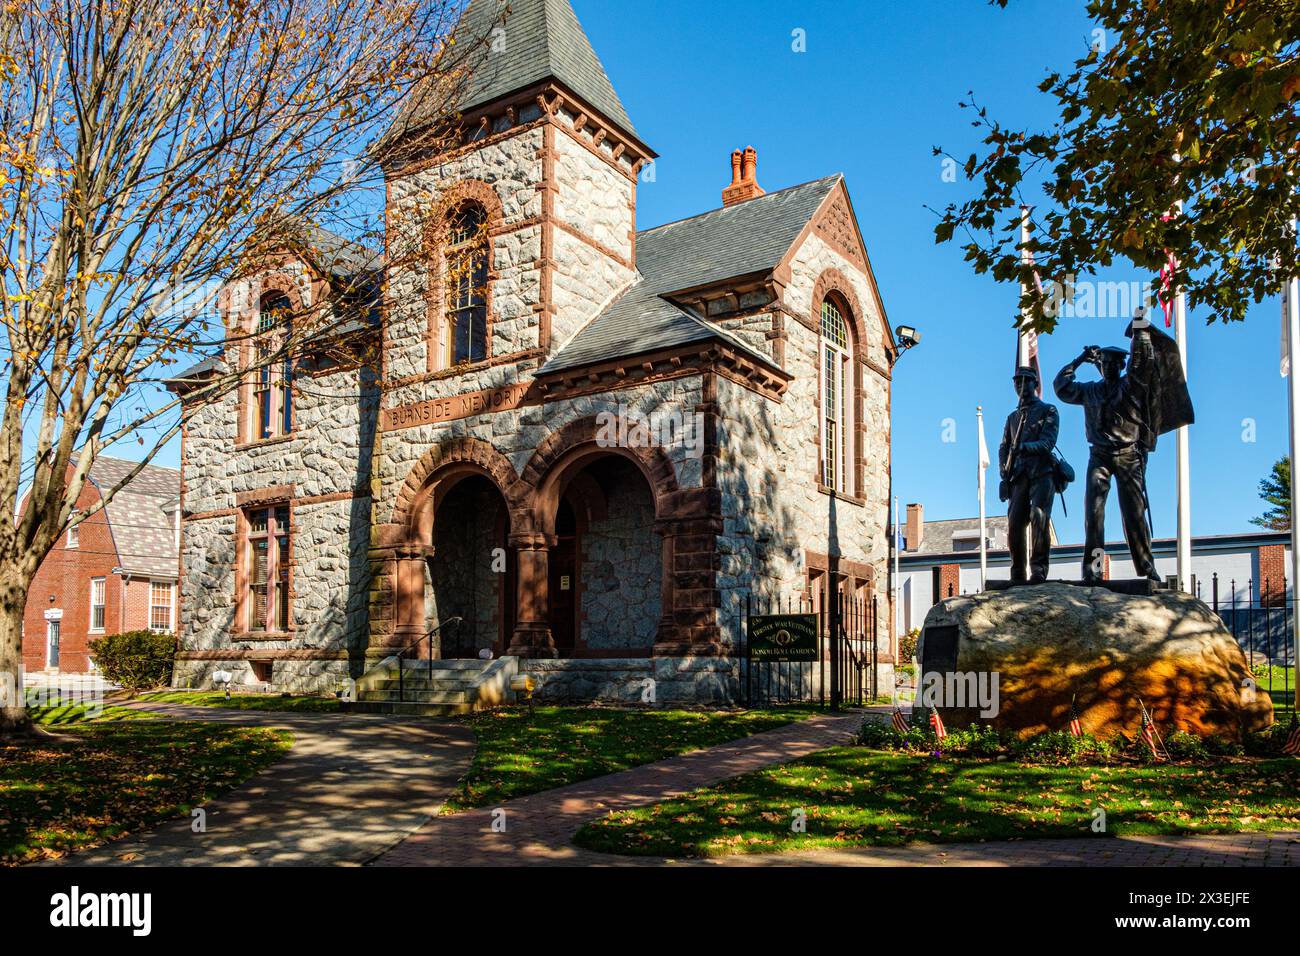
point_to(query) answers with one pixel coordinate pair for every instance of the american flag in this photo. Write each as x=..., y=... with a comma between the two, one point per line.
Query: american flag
x=1167, y=291
x=1292, y=745
x=1149, y=733
x=900, y=722
x=937, y=723
x=1076, y=728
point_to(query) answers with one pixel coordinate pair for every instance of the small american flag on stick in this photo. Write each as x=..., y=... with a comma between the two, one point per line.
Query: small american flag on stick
x=937, y=723
x=1292, y=745
x=1076, y=728
x=900, y=722
x=1149, y=733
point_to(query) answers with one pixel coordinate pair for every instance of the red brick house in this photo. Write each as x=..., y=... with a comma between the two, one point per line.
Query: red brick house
x=114, y=571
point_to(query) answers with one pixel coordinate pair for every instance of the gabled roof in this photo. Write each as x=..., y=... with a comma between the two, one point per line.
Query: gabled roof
x=744, y=239
x=537, y=40
x=138, y=515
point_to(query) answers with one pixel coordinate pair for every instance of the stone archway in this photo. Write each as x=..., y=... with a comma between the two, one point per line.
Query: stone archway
x=406, y=600
x=686, y=593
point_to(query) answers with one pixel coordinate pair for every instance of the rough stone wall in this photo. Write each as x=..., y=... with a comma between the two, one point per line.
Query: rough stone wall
x=772, y=508
x=510, y=165
x=319, y=468
x=620, y=571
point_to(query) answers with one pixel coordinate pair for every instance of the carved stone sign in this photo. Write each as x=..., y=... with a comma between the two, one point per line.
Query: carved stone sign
x=455, y=407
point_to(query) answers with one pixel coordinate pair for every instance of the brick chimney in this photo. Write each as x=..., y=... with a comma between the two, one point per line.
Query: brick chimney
x=744, y=178
x=915, y=529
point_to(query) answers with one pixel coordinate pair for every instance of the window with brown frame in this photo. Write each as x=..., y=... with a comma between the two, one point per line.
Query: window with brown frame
x=837, y=400
x=464, y=334
x=272, y=407
x=268, y=556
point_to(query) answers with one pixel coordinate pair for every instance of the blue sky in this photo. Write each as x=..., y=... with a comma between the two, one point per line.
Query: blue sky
x=876, y=89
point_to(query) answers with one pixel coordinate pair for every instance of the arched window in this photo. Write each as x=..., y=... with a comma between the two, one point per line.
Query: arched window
x=837, y=399
x=464, y=337
x=273, y=381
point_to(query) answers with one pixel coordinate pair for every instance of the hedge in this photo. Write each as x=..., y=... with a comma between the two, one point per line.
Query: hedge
x=135, y=659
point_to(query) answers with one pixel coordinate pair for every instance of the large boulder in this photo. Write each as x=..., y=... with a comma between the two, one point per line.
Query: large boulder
x=1048, y=643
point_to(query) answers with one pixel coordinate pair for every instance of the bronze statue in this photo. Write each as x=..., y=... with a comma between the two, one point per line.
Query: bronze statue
x=1124, y=414
x=1028, y=470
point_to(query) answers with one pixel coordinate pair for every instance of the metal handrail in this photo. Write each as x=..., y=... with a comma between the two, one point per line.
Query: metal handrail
x=428, y=636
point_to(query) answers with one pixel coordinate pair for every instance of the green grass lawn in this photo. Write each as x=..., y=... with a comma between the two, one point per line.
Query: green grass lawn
x=107, y=778
x=853, y=796
x=520, y=753
x=57, y=713
x=213, y=698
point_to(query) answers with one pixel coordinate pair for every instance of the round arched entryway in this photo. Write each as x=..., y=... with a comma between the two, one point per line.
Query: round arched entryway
x=470, y=573
x=606, y=563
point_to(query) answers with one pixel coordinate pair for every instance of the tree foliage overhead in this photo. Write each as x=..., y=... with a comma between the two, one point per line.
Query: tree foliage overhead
x=1174, y=101
x=1276, y=490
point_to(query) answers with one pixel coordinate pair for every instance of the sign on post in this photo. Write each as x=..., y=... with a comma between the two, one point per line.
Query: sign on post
x=783, y=637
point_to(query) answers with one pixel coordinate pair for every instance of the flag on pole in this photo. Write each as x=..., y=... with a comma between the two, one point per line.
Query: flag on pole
x=984, y=453
x=1167, y=280
x=900, y=722
x=1076, y=728
x=1292, y=745
x=937, y=723
x=1027, y=339
x=1286, y=333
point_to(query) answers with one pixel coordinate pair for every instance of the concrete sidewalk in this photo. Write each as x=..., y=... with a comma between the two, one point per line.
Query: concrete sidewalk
x=350, y=788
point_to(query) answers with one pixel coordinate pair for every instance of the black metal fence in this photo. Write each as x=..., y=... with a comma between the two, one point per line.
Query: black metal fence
x=846, y=671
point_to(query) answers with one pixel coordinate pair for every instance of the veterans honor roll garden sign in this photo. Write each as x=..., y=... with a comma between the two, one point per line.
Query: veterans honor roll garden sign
x=783, y=637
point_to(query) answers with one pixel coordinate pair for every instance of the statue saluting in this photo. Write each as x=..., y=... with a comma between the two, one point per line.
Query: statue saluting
x=1124, y=414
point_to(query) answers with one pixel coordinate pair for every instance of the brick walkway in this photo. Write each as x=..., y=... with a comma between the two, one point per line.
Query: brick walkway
x=538, y=827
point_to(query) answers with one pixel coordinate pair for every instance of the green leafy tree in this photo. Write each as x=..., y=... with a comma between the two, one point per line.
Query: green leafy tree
x=1276, y=490
x=1174, y=101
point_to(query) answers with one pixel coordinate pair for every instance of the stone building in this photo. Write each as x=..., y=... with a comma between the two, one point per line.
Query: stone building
x=590, y=442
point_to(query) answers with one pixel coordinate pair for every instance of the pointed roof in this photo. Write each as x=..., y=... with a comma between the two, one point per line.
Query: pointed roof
x=519, y=43
x=744, y=239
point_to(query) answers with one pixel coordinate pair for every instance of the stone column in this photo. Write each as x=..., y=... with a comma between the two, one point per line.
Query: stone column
x=667, y=627
x=409, y=624
x=532, y=635
x=691, y=627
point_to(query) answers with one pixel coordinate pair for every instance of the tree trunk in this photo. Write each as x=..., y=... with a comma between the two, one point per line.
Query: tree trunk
x=13, y=602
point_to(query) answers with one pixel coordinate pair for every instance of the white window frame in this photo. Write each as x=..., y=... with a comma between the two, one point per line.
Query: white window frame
x=170, y=627
x=102, y=605
x=74, y=537
x=837, y=403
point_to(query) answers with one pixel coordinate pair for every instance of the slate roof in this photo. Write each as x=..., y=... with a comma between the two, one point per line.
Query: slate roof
x=138, y=515
x=340, y=256
x=542, y=40
x=749, y=237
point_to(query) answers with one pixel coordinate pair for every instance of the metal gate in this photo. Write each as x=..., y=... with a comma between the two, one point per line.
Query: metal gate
x=845, y=671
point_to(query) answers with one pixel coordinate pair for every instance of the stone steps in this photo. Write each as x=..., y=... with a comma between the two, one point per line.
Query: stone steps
x=431, y=688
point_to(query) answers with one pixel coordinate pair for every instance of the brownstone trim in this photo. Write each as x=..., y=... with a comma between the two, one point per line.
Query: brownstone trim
x=441, y=375
x=456, y=195
x=546, y=305
x=243, y=325
x=277, y=654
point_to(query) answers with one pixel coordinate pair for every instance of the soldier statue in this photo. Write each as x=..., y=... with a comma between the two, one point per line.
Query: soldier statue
x=1124, y=413
x=1028, y=469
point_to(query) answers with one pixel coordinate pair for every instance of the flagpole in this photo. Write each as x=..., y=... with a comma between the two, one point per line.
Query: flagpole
x=898, y=624
x=1291, y=303
x=984, y=551
x=1184, y=453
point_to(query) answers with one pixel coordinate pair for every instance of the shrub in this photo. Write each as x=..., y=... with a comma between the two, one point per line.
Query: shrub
x=907, y=644
x=1184, y=746
x=137, y=660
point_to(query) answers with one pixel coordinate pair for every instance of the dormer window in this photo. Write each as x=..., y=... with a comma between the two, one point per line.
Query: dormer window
x=464, y=337
x=272, y=408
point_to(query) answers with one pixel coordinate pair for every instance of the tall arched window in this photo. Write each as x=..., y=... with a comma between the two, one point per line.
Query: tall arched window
x=465, y=334
x=273, y=380
x=837, y=399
